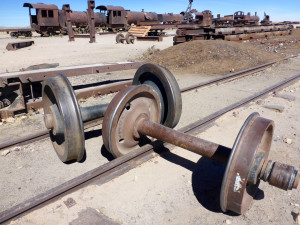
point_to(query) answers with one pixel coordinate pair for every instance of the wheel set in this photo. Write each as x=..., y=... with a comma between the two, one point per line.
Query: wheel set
x=64, y=117
x=128, y=38
x=150, y=109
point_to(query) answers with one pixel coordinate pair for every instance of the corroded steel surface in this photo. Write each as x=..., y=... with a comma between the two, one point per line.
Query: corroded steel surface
x=17, y=45
x=91, y=21
x=67, y=10
x=255, y=136
x=40, y=6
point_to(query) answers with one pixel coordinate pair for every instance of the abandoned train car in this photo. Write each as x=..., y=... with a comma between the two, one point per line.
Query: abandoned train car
x=47, y=19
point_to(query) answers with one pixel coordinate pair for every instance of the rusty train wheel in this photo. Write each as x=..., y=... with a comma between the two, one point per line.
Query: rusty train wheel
x=120, y=38
x=129, y=38
x=253, y=142
x=63, y=118
x=124, y=109
x=163, y=81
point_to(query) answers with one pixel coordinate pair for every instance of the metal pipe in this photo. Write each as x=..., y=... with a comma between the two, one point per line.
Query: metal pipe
x=93, y=112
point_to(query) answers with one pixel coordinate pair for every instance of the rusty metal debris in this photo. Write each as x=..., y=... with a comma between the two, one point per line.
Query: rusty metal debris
x=15, y=86
x=150, y=38
x=17, y=45
x=17, y=32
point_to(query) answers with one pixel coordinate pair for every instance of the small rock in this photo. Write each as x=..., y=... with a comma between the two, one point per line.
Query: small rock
x=10, y=120
x=259, y=102
x=292, y=91
x=135, y=178
x=228, y=222
x=1, y=123
x=288, y=141
x=287, y=97
x=5, y=152
x=297, y=205
x=276, y=108
x=23, y=117
x=234, y=114
x=16, y=149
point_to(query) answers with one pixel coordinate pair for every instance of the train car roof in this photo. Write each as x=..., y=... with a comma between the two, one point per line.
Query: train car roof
x=110, y=7
x=40, y=6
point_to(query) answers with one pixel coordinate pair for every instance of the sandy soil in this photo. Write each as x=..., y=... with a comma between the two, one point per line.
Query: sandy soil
x=81, y=52
x=160, y=191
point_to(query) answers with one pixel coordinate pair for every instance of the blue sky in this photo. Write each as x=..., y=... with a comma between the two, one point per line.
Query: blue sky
x=12, y=12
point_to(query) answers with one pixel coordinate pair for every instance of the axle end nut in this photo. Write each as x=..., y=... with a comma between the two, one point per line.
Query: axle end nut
x=284, y=176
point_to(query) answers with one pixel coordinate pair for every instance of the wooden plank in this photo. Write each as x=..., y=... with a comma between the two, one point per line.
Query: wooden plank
x=139, y=30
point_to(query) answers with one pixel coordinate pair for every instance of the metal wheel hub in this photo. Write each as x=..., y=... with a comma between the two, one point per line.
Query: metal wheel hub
x=128, y=106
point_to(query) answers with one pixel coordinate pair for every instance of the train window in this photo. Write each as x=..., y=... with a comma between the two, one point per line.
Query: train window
x=44, y=13
x=115, y=13
x=33, y=12
x=50, y=13
x=119, y=13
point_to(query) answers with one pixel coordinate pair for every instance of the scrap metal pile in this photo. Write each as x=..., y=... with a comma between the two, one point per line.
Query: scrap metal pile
x=151, y=108
x=235, y=27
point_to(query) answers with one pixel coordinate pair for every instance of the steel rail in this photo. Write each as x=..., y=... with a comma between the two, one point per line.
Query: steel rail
x=236, y=75
x=115, y=87
x=131, y=159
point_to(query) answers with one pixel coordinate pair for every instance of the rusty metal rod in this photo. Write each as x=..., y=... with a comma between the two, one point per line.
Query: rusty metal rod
x=199, y=146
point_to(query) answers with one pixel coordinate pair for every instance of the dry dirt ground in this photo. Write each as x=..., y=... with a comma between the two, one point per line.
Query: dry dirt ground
x=169, y=189
x=199, y=56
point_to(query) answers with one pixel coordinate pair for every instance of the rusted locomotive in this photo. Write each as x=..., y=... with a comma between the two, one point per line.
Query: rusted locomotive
x=239, y=18
x=47, y=19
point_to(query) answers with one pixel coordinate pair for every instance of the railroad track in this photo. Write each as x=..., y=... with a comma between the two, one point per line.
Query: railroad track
x=123, y=164
x=104, y=89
